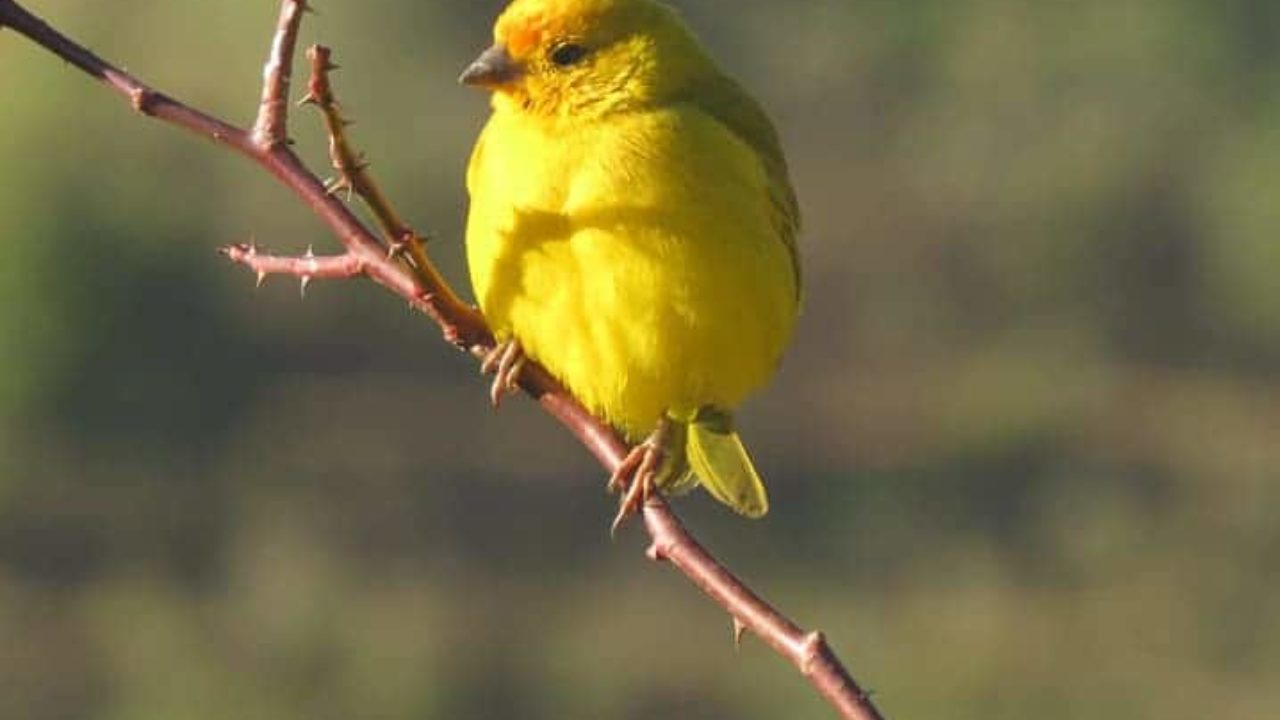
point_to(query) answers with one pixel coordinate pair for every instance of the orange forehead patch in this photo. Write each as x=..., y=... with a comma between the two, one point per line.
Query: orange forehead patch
x=528, y=25
x=523, y=35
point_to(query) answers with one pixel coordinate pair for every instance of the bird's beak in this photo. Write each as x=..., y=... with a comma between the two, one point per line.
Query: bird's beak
x=494, y=68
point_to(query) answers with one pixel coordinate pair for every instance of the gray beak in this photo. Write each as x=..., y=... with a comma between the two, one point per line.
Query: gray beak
x=494, y=68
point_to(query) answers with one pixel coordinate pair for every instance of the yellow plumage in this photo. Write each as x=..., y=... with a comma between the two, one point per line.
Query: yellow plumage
x=632, y=224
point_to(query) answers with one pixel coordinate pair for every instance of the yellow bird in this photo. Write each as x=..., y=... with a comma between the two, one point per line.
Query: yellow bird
x=633, y=229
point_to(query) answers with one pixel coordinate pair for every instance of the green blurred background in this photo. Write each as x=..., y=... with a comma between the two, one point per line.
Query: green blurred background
x=1023, y=455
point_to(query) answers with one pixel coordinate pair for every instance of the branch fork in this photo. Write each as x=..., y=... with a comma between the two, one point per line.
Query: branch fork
x=394, y=257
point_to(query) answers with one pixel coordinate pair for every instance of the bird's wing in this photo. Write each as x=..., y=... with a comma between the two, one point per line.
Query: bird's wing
x=724, y=99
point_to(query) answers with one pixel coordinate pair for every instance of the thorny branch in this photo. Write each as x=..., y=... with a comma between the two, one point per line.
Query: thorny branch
x=353, y=170
x=418, y=282
x=306, y=268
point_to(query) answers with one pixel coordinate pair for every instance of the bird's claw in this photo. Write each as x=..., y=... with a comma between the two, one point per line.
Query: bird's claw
x=636, y=476
x=505, y=361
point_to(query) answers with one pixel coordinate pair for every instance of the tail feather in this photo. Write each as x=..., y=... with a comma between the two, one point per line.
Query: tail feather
x=716, y=454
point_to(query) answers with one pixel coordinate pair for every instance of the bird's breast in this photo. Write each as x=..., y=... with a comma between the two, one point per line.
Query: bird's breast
x=634, y=260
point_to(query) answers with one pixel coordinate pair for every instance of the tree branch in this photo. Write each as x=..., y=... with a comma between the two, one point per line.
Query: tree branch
x=424, y=288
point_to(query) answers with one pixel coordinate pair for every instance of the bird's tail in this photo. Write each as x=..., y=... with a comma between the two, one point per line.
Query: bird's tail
x=716, y=454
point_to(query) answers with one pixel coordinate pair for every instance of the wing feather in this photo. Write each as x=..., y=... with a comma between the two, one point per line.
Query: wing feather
x=724, y=99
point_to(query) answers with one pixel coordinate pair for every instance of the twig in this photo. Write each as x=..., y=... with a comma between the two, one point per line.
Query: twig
x=306, y=268
x=352, y=168
x=266, y=144
x=271, y=127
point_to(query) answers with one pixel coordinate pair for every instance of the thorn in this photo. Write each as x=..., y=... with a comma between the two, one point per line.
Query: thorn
x=307, y=7
x=262, y=277
x=142, y=99
x=739, y=631
x=812, y=644
x=303, y=284
x=397, y=249
x=336, y=185
x=309, y=99
x=310, y=254
x=654, y=553
x=331, y=66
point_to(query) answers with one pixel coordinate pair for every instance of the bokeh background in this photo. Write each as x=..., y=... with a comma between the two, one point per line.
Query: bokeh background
x=1023, y=455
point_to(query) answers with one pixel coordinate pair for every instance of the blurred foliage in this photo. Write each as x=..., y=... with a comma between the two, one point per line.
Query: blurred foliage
x=1024, y=453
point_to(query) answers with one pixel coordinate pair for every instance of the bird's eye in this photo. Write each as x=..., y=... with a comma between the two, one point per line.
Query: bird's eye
x=567, y=54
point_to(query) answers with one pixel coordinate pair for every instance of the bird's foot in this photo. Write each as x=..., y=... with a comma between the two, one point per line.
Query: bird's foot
x=505, y=361
x=636, y=476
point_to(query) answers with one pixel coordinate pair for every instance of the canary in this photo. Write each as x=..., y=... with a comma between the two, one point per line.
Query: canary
x=632, y=228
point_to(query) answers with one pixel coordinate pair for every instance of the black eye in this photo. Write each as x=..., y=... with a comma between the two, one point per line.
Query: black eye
x=567, y=54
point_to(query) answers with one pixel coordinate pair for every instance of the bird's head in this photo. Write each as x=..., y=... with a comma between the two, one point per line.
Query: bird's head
x=575, y=58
